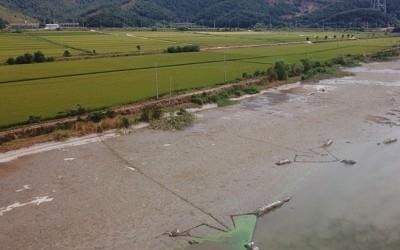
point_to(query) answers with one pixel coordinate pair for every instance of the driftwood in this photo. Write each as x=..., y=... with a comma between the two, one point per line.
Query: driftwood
x=327, y=143
x=270, y=207
x=390, y=141
x=283, y=162
x=348, y=162
x=177, y=233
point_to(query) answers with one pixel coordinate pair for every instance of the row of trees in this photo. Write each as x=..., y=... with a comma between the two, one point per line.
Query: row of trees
x=27, y=58
x=186, y=48
x=349, y=36
x=307, y=68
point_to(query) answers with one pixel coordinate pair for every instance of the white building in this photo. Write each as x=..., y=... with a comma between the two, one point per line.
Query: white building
x=52, y=26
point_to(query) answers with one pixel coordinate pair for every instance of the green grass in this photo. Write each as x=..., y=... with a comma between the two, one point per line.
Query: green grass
x=15, y=44
x=106, y=82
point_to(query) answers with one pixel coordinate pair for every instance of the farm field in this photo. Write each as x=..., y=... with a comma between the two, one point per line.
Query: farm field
x=46, y=89
x=54, y=43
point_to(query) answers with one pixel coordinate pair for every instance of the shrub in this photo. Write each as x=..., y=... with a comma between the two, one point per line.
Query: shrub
x=272, y=75
x=96, y=116
x=10, y=61
x=281, y=69
x=251, y=90
x=66, y=53
x=149, y=114
x=196, y=100
x=125, y=122
x=157, y=113
x=60, y=135
x=110, y=113
x=79, y=110
x=182, y=28
x=186, y=48
x=171, y=49
x=33, y=119
x=296, y=70
x=178, y=121
x=20, y=60
x=39, y=57
x=28, y=57
x=307, y=64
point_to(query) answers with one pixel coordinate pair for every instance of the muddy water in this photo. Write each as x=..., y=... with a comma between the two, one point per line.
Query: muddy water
x=339, y=207
x=342, y=207
x=355, y=207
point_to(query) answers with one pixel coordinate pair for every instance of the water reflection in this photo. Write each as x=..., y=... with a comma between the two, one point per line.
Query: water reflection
x=340, y=234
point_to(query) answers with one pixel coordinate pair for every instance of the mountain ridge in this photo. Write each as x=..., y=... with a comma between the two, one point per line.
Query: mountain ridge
x=221, y=13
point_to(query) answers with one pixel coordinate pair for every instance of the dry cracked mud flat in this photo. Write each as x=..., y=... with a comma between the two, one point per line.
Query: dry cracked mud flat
x=125, y=192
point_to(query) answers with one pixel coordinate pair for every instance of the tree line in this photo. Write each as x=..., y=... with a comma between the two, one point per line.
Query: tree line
x=186, y=48
x=28, y=58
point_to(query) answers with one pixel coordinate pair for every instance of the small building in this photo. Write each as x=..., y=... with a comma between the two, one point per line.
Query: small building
x=52, y=26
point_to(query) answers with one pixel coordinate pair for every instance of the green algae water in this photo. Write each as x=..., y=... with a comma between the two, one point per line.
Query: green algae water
x=235, y=239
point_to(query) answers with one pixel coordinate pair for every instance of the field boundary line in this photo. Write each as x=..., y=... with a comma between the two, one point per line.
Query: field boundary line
x=173, y=65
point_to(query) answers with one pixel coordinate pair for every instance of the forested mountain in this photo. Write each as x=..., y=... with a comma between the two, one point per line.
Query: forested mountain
x=221, y=13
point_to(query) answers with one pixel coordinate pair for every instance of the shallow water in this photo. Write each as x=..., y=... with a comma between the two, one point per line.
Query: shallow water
x=340, y=207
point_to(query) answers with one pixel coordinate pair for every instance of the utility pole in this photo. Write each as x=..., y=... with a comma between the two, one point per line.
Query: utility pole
x=156, y=71
x=337, y=46
x=170, y=89
x=225, y=75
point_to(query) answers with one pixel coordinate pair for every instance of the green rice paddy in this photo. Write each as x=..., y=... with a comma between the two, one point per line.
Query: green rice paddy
x=49, y=88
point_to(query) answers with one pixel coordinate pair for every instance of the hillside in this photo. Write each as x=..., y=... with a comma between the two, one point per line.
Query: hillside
x=12, y=16
x=221, y=13
x=352, y=13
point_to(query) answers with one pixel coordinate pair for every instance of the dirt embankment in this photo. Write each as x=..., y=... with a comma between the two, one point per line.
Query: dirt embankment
x=125, y=110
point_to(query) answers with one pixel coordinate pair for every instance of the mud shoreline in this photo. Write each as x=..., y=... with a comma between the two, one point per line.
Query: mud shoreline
x=125, y=192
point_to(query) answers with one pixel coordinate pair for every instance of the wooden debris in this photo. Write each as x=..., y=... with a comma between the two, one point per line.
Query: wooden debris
x=348, y=162
x=270, y=207
x=390, y=141
x=283, y=162
x=327, y=143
